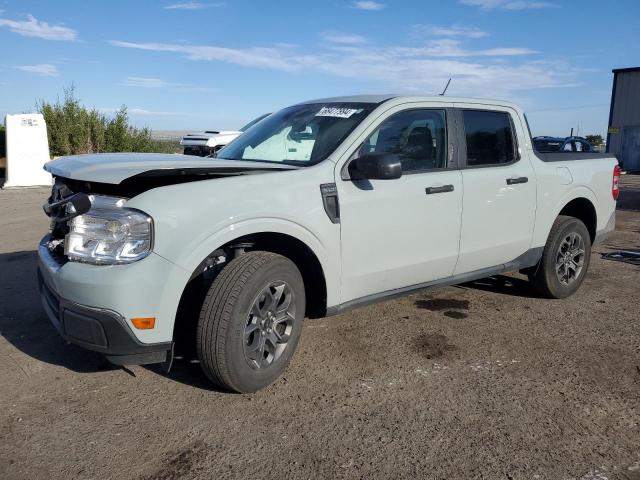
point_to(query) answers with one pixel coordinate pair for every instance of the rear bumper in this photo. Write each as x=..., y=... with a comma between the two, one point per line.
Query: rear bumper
x=602, y=235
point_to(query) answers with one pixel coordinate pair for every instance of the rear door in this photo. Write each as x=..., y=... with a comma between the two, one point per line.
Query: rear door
x=499, y=190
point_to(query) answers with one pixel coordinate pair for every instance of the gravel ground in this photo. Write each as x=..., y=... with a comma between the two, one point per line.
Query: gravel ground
x=483, y=380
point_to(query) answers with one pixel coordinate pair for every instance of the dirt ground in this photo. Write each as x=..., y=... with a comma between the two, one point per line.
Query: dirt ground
x=483, y=380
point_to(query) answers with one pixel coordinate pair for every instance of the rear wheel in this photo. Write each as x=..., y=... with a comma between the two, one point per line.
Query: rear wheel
x=565, y=259
x=251, y=321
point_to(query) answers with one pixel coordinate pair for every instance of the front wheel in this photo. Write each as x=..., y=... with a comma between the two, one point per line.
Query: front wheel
x=565, y=259
x=251, y=321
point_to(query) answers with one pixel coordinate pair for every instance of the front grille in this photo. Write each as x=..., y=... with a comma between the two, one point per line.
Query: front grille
x=57, y=253
x=59, y=230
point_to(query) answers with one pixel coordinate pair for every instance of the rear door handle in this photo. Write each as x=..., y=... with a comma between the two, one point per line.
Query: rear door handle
x=513, y=181
x=442, y=189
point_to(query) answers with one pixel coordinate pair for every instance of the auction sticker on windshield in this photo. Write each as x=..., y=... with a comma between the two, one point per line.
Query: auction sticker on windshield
x=337, y=112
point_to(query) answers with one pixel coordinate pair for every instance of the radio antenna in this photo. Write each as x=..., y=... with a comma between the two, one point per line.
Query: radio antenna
x=445, y=88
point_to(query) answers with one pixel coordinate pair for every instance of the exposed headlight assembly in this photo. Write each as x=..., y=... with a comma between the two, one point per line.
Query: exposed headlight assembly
x=108, y=233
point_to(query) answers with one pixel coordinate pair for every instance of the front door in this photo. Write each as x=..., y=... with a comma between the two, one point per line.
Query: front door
x=403, y=232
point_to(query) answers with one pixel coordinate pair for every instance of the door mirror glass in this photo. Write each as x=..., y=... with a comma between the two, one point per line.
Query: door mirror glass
x=376, y=167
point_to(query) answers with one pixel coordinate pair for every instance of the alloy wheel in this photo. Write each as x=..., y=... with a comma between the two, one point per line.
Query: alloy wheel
x=269, y=325
x=570, y=258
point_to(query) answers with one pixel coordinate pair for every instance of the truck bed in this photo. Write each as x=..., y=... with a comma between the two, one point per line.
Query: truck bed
x=568, y=156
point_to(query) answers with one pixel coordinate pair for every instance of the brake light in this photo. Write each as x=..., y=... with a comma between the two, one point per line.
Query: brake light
x=615, y=186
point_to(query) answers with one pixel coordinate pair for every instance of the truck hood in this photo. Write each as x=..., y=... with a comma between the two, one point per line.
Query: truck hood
x=114, y=168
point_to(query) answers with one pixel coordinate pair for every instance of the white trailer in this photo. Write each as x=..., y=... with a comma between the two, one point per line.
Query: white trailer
x=27, y=151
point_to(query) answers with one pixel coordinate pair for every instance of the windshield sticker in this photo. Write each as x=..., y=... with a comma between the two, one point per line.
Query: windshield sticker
x=337, y=112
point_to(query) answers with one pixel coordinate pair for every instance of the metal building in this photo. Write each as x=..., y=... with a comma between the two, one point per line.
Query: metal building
x=623, y=136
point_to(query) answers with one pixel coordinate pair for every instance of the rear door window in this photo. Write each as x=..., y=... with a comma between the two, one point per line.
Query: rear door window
x=490, y=138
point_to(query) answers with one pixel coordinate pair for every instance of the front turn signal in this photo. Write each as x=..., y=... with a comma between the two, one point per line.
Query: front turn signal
x=145, y=323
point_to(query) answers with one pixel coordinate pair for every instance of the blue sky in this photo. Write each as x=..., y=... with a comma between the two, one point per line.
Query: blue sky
x=195, y=64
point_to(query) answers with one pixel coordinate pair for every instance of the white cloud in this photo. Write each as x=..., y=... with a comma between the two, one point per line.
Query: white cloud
x=42, y=69
x=32, y=27
x=146, y=82
x=485, y=73
x=508, y=4
x=192, y=6
x=451, y=48
x=149, y=113
x=289, y=60
x=139, y=112
x=344, y=38
x=367, y=5
x=429, y=75
x=449, y=31
x=273, y=58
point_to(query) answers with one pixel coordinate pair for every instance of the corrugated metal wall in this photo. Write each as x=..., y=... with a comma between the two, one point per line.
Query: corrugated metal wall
x=626, y=108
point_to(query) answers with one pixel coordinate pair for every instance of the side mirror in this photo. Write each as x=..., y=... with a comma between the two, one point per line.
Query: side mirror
x=384, y=166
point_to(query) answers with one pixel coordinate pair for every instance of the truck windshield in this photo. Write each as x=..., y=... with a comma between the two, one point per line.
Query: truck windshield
x=253, y=122
x=301, y=135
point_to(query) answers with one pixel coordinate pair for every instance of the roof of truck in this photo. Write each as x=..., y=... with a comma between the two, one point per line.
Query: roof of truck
x=409, y=98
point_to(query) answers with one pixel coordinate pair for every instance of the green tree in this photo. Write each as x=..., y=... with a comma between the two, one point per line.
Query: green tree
x=73, y=129
x=117, y=136
x=595, y=140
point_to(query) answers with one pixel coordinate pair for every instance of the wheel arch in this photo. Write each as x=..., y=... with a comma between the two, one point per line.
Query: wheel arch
x=584, y=210
x=203, y=274
x=580, y=202
x=301, y=255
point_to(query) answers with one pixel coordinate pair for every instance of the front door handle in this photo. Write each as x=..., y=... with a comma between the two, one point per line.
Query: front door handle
x=442, y=189
x=513, y=181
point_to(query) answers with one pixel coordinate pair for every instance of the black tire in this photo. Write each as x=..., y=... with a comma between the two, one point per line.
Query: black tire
x=546, y=278
x=227, y=315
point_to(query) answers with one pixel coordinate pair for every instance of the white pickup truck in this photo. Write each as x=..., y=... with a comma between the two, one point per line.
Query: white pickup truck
x=322, y=207
x=209, y=142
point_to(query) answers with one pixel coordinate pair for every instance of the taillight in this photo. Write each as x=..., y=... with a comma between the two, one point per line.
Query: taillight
x=615, y=186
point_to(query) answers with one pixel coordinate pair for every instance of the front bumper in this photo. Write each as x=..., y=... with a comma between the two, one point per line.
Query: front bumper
x=91, y=306
x=99, y=330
